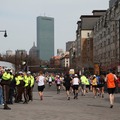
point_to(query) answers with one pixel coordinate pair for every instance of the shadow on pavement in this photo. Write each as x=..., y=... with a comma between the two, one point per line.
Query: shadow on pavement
x=96, y=105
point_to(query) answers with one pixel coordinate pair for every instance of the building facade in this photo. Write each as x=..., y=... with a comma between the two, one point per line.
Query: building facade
x=86, y=64
x=65, y=62
x=68, y=45
x=81, y=51
x=9, y=53
x=107, y=39
x=33, y=52
x=60, y=52
x=112, y=2
x=45, y=37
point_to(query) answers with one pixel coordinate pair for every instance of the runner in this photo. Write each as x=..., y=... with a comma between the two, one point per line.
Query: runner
x=58, y=83
x=41, y=84
x=94, y=85
x=75, y=83
x=110, y=79
x=67, y=83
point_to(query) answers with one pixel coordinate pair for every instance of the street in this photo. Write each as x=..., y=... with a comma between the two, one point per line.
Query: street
x=56, y=107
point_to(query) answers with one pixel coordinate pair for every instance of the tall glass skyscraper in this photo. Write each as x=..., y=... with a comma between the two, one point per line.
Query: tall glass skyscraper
x=45, y=37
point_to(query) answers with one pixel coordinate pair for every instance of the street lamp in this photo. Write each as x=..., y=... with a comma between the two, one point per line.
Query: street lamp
x=5, y=33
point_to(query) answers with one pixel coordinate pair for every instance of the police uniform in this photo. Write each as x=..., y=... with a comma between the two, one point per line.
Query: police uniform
x=19, y=86
x=6, y=80
x=31, y=85
x=26, y=86
x=12, y=89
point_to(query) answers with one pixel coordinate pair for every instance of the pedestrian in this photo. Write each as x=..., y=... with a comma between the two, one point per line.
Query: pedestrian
x=1, y=91
x=83, y=81
x=58, y=83
x=75, y=82
x=110, y=79
x=50, y=80
x=94, y=85
x=31, y=85
x=62, y=79
x=5, y=82
x=1, y=95
x=101, y=85
x=26, y=87
x=19, y=79
x=67, y=83
x=12, y=88
x=41, y=84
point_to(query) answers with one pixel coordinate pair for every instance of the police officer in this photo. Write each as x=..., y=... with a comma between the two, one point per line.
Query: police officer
x=12, y=88
x=31, y=85
x=19, y=86
x=6, y=80
x=26, y=87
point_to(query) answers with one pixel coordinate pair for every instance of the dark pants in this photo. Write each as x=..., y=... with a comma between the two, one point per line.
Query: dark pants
x=11, y=95
x=20, y=91
x=26, y=98
x=6, y=93
x=30, y=93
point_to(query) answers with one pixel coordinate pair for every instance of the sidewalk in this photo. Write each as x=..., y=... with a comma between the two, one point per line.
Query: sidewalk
x=57, y=107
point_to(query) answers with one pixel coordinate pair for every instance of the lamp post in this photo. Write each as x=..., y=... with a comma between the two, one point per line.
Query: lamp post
x=5, y=32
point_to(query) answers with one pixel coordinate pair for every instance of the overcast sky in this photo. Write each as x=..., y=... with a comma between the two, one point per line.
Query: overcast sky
x=18, y=17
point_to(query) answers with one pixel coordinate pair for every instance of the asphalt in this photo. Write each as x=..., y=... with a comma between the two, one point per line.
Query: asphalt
x=56, y=107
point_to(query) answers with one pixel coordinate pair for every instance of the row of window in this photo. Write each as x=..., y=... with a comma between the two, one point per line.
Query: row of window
x=108, y=54
x=110, y=15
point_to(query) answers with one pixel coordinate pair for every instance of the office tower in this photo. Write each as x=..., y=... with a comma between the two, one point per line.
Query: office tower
x=45, y=37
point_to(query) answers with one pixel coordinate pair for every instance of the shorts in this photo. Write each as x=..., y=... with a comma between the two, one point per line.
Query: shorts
x=83, y=86
x=87, y=86
x=111, y=90
x=58, y=85
x=50, y=82
x=75, y=87
x=100, y=85
x=67, y=88
x=94, y=86
x=41, y=88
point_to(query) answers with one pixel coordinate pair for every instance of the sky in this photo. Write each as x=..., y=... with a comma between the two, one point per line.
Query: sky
x=18, y=18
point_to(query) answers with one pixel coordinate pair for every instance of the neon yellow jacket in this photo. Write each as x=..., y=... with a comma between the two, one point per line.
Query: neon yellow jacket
x=83, y=80
x=6, y=76
x=26, y=80
x=18, y=78
x=12, y=76
x=31, y=80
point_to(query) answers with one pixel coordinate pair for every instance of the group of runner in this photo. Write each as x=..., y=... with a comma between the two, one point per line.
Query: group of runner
x=83, y=84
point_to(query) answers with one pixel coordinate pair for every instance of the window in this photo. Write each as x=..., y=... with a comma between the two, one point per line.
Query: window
x=104, y=43
x=108, y=41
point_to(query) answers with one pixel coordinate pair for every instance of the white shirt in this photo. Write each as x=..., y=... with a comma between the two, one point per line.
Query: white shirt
x=75, y=81
x=50, y=79
x=41, y=80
